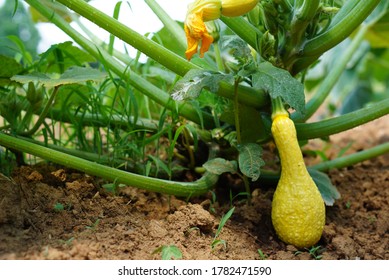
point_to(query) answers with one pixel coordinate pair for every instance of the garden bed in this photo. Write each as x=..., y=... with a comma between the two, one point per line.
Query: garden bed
x=50, y=212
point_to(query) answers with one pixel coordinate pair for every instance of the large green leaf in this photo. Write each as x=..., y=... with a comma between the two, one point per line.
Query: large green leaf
x=328, y=191
x=250, y=160
x=73, y=75
x=279, y=83
x=191, y=85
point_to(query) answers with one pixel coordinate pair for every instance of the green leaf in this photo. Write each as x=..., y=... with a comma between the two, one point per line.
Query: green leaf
x=328, y=191
x=9, y=67
x=61, y=56
x=278, y=82
x=223, y=221
x=357, y=98
x=191, y=85
x=250, y=160
x=219, y=166
x=73, y=75
x=169, y=252
x=236, y=47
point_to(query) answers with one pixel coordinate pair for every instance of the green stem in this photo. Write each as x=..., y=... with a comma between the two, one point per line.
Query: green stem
x=353, y=158
x=218, y=57
x=272, y=177
x=247, y=95
x=244, y=30
x=338, y=124
x=333, y=75
x=174, y=28
x=349, y=17
x=183, y=189
x=341, y=30
x=304, y=11
x=150, y=48
x=236, y=113
x=138, y=82
x=43, y=114
x=278, y=107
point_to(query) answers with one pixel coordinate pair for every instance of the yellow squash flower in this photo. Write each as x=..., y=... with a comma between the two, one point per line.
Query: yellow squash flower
x=195, y=29
x=201, y=11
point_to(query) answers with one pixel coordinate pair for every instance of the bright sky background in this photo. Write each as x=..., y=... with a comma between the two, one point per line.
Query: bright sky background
x=139, y=17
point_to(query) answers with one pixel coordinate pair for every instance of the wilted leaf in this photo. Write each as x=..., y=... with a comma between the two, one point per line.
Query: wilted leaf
x=219, y=166
x=250, y=160
x=279, y=82
x=328, y=191
x=190, y=86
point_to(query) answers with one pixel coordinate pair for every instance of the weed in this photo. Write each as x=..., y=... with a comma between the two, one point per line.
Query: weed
x=262, y=256
x=93, y=227
x=168, y=252
x=187, y=232
x=223, y=221
x=315, y=252
x=348, y=204
x=58, y=207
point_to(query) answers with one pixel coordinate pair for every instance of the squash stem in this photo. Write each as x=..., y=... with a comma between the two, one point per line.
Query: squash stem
x=278, y=108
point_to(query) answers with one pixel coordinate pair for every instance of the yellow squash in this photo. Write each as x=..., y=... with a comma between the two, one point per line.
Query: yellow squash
x=298, y=211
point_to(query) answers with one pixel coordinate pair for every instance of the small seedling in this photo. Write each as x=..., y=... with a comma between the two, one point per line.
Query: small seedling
x=187, y=232
x=93, y=227
x=58, y=207
x=168, y=252
x=213, y=201
x=313, y=251
x=262, y=256
x=348, y=204
x=223, y=221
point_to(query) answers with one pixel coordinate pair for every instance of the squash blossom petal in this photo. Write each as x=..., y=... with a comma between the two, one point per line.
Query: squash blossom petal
x=199, y=12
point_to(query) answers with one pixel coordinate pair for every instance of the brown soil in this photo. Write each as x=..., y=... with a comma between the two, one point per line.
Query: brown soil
x=133, y=224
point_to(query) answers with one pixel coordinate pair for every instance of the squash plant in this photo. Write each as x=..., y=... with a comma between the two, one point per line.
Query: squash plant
x=229, y=80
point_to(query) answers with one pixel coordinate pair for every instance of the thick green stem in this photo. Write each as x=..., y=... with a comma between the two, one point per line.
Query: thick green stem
x=305, y=10
x=272, y=177
x=183, y=189
x=353, y=158
x=349, y=17
x=333, y=75
x=338, y=124
x=150, y=48
x=278, y=107
x=244, y=30
x=341, y=30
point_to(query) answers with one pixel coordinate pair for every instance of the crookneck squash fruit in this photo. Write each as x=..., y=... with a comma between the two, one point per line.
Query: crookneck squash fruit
x=298, y=211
